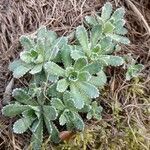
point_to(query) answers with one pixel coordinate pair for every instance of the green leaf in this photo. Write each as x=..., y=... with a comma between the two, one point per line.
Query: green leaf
x=89, y=89
x=62, y=85
x=26, y=42
x=119, y=29
x=108, y=28
x=82, y=37
x=53, y=69
x=106, y=11
x=99, y=80
x=30, y=113
x=95, y=111
x=55, y=134
x=22, y=96
x=41, y=33
x=39, y=59
x=16, y=63
x=118, y=14
x=37, y=136
x=57, y=103
x=79, y=123
x=26, y=56
x=76, y=54
x=60, y=42
x=80, y=63
x=50, y=112
x=12, y=110
x=21, y=125
x=107, y=60
x=62, y=119
x=133, y=71
x=96, y=34
x=92, y=68
x=77, y=96
x=21, y=70
x=84, y=76
x=51, y=37
x=91, y=20
x=53, y=78
x=119, y=38
x=65, y=56
x=52, y=92
x=48, y=125
x=36, y=69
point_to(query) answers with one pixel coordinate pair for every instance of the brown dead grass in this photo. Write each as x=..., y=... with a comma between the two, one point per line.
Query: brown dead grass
x=19, y=17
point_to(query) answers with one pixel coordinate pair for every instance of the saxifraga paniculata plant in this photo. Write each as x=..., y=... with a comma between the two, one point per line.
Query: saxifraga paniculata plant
x=66, y=78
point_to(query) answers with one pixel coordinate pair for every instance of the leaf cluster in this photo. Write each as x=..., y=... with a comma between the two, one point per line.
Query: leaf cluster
x=66, y=78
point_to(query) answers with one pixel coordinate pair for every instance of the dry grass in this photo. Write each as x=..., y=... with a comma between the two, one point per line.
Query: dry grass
x=127, y=105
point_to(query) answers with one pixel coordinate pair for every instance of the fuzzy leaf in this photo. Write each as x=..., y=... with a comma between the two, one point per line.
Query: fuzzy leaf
x=119, y=38
x=22, y=96
x=62, y=119
x=62, y=85
x=60, y=42
x=118, y=14
x=26, y=42
x=108, y=28
x=52, y=92
x=106, y=11
x=12, y=110
x=107, y=60
x=41, y=33
x=55, y=134
x=80, y=63
x=76, y=54
x=89, y=89
x=50, y=112
x=21, y=70
x=30, y=113
x=91, y=20
x=65, y=54
x=96, y=34
x=133, y=71
x=53, y=69
x=26, y=56
x=78, y=122
x=16, y=63
x=77, y=96
x=121, y=31
x=92, y=68
x=84, y=76
x=95, y=111
x=99, y=80
x=48, y=125
x=36, y=69
x=21, y=125
x=37, y=136
x=51, y=37
x=82, y=37
x=57, y=103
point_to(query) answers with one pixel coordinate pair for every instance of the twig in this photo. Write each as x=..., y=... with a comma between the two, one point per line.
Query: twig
x=139, y=15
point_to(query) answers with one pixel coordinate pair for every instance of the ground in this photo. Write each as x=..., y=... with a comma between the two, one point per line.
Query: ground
x=126, y=115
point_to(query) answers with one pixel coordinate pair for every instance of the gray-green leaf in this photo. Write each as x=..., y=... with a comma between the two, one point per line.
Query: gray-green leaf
x=82, y=37
x=106, y=11
x=12, y=110
x=62, y=85
x=21, y=125
x=53, y=69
